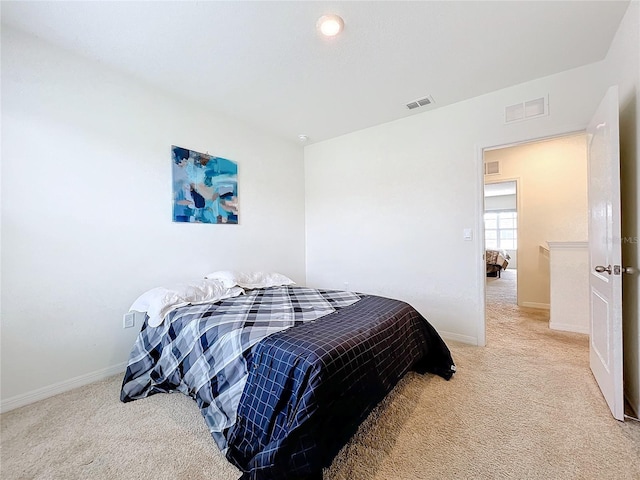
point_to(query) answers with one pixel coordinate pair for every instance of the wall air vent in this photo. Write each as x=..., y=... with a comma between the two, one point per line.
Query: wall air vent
x=526, y=110
x=492, y=168
x=420, y=103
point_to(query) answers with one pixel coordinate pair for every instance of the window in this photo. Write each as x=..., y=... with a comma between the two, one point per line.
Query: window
x=501, y=230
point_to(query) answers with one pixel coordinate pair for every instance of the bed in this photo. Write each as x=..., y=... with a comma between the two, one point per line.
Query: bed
x=283, y=375
x=497, y=260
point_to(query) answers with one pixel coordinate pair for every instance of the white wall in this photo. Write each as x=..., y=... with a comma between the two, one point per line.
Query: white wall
x=569, y=272
x=552, y=190
x=86, y=211
x=386, y=206
x=622, y=67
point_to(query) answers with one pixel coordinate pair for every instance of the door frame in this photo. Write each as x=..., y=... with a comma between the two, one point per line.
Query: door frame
x=518, y=210
x=481, y=269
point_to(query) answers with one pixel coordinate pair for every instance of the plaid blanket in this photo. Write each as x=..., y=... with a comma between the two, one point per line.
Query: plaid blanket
x=203, y=350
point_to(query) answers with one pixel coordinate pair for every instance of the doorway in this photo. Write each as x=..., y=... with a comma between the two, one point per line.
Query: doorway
x=550, y=177
x=501, y=240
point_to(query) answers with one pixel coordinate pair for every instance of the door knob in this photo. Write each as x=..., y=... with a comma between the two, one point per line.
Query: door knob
x=629, y=270
x=601, y=269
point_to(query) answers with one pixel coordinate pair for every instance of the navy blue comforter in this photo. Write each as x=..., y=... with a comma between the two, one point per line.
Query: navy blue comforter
x=310, y=387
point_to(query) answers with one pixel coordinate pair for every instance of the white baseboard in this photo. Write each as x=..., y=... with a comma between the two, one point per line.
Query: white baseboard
x=544, y=306
x=567, y=327
x=60, y=387
x=456, y=337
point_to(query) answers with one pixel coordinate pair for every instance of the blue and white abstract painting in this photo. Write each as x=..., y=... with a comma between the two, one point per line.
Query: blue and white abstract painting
x=205, y=188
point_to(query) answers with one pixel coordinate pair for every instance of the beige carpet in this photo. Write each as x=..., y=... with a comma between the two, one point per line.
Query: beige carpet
x=524, y=407
x=503, y=290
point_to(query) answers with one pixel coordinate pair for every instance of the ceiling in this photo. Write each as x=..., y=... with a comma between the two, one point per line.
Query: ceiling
x=265, y=64
x=499, y=189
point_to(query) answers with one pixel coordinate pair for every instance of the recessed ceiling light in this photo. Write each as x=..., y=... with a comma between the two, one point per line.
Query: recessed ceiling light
x=330, y=25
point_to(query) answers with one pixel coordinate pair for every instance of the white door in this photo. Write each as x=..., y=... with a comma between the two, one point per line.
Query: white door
x=605, y=279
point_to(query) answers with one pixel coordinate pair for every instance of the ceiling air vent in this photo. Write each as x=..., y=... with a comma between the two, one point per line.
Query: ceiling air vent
x=492, y=168
x=526, y=110
x=420, y=103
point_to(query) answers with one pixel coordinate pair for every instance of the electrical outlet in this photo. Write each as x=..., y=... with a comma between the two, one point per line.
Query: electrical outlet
x=129, y=320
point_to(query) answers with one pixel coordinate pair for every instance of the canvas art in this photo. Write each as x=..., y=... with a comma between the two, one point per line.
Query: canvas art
x=205, y=188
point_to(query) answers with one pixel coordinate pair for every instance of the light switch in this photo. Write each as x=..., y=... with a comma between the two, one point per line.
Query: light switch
x=467, y=234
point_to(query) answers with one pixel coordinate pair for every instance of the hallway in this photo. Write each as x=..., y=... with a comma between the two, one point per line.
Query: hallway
x=509, y=322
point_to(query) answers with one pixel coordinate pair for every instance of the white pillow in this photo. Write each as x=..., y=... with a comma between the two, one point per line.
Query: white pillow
x=159, y=302
x=250, y=279
x=228, y=278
